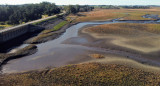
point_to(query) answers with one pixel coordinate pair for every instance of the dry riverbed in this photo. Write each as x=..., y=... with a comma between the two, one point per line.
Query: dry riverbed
x=40, y=38
x=127, y=40
x=142, y=39
x=105, y=56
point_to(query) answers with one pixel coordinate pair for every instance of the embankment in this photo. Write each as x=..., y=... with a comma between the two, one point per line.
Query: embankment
x=28, y=50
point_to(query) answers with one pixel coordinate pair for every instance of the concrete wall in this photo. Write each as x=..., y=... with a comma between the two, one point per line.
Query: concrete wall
x=0, y=38
x=13, y=33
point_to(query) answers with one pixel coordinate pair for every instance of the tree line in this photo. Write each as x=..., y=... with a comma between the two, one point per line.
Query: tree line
x=16, y=14
x=73, y=9
x=107, y=7
x=136, y=7
x=118, y=7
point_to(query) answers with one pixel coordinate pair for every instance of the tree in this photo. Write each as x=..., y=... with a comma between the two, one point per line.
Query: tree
x=16, y=14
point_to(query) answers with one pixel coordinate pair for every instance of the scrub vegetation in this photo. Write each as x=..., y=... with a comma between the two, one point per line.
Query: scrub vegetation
x=90, y=74
x=109, y=14
x=138, y=38
x=125, y=28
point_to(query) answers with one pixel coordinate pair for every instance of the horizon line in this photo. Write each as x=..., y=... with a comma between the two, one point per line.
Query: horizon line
x=87, y=4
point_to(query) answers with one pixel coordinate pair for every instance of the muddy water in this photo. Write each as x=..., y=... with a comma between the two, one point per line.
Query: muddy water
x=55, y=53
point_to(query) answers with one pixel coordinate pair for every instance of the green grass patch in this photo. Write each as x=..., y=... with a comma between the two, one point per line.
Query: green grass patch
x=60, y=25
x=55, y=28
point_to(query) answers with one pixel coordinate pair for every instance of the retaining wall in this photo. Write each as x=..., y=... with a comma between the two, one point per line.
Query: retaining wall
x=11, y=33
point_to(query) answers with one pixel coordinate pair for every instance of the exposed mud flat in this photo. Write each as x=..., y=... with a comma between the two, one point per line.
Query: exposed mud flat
x=75, y=46
x=113, y=59
x=140, y=46
x=138, y=41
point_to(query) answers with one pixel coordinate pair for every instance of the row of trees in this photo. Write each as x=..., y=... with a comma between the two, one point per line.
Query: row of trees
x=77, y=8
x=118, y=7
x=136, y=7
x=15, y=14
x=107, y=7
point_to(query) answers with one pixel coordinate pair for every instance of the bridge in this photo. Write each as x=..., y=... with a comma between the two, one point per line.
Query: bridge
x=16, y=31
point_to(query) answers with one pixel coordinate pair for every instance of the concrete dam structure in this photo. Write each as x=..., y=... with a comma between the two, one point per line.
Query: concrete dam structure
x=16, y=31
x=13, y=32
x=10, y=33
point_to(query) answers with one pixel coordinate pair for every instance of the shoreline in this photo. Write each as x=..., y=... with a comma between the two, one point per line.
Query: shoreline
x=32, y=50
x=127, y=53
x=28, y=50
x=57, y=33
x=141, y=57
x=61, y=31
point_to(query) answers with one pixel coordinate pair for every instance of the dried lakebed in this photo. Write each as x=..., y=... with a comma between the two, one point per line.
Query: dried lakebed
x=60, y=52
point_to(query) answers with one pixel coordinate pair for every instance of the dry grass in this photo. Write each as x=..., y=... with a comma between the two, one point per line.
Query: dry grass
x=109, y=14
x=97, y=56
x=136, y=14
x=125, y=28
x=100, y=15
x=89, y=74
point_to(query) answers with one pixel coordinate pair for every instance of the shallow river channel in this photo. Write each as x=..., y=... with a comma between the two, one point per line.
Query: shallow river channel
x=55, y=53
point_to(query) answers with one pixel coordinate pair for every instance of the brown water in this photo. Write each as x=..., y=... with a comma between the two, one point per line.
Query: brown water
x=55, y=53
